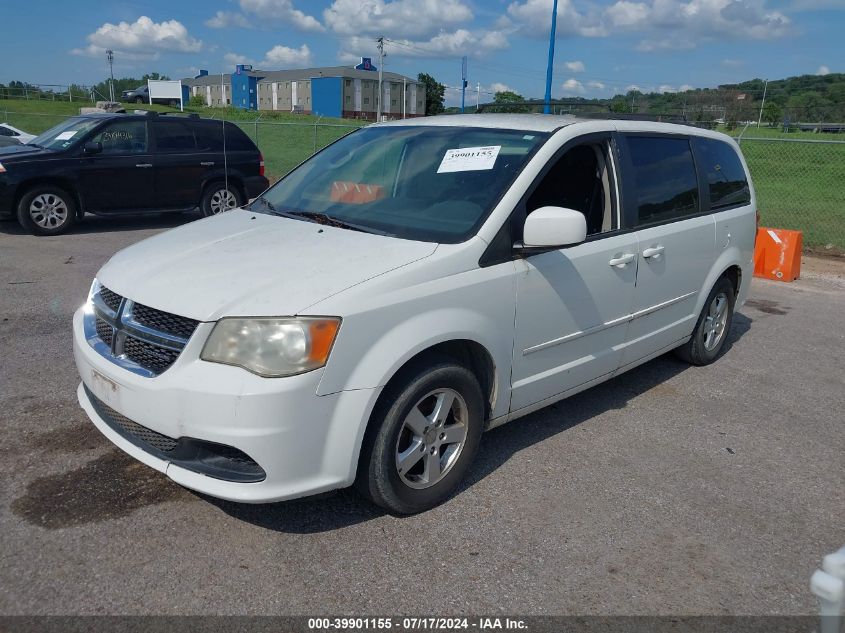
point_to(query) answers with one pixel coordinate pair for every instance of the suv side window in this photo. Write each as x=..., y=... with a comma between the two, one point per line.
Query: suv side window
x=725, y=175
x=664, y=177
x=4, y=131
x=123, y=137
x=209, y=136
x=173, y=136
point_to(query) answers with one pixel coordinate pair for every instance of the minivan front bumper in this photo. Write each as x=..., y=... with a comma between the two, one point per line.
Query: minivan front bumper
x=218, y=422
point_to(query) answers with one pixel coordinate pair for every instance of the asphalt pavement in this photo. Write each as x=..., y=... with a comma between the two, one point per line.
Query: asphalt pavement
x=668, y=490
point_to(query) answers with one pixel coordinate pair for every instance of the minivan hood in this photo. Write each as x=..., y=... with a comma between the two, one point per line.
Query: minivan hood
x=251, y=264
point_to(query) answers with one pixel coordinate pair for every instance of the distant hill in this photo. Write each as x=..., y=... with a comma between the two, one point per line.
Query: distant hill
x=803, y=99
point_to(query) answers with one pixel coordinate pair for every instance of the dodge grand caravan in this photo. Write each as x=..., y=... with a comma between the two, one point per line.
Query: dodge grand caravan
x=411, y=285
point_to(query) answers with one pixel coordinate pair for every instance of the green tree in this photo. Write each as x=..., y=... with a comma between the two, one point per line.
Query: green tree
x=772, y=113
x=504, y=100
x=434, y=94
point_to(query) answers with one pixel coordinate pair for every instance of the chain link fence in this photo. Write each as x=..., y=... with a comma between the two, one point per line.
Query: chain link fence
x=800, y=185
x=799, y=179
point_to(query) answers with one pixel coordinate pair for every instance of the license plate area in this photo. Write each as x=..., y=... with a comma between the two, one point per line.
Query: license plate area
x=106, y=389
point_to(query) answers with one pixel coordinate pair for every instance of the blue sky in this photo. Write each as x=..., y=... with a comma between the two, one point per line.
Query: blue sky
x=603, y=46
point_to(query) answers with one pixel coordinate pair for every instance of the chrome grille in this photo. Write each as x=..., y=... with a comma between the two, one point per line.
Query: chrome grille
x=111, y=299
x=104, y=331
x=149, y=355
x=141, y=339
x=164, y=321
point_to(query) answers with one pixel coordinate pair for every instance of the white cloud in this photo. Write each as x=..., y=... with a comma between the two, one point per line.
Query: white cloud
x=823, y=70
x=226, y=19
x=277, y=58
x=444, y=44
x=497, y=87
x=141, y=39
x=596, y=85
x=733, y=63
x=533, y=18
x=285, y=56
x=573, y=87
x=575, y=67
x=633, y=88
x=281, y=11
x=664, y=24
x=665, y=88
x=686, y=88
x=396, y=18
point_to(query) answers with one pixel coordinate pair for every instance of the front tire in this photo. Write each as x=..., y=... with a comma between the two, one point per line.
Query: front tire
x=46, y=210
x=426, y=430
x=139, y=100
x=218, y=199
x=711, y=329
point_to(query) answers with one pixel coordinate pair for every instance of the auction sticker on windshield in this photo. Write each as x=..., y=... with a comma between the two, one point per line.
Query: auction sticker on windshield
x=469, y=159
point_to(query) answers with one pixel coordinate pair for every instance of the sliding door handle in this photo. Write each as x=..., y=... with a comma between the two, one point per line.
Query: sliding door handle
x=654, y=251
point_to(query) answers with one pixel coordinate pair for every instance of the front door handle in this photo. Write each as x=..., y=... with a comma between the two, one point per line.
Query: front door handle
x=143, y=165
x=623, y=260
x=207, y=163
x=654, y=251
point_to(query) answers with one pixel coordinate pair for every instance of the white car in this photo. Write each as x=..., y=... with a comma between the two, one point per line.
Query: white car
x=411, y=285
x=13, y=132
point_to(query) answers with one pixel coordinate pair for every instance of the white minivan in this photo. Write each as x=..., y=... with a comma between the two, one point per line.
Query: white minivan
x=366, y=318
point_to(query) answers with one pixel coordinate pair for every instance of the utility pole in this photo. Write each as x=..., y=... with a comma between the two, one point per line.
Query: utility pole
x=477, y=94
x=463, y=82
x=404, y=99
x=110, y=57
x=760, y=118
x=547, y=106
x=380, y=67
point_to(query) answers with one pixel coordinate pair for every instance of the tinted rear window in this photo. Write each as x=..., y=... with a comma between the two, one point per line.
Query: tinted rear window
x=209, y=136
x=236, y=140
x=173, y=136
x=666, y=182
x=725, y=176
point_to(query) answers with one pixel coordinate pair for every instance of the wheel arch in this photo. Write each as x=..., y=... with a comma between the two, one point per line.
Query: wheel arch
x=56, y=181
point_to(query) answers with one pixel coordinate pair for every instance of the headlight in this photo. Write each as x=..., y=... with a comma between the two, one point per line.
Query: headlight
x=2, y=169
x=89, y=302
x=272, y=347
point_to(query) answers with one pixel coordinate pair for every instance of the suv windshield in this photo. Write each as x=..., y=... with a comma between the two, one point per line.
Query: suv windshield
x=66, y=133
x=432, y=184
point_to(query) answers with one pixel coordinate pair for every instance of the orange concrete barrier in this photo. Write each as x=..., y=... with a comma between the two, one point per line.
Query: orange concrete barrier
x=777, y=254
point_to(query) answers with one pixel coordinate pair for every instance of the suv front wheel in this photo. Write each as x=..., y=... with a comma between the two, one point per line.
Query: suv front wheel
x=218, y=199
x=46, y=210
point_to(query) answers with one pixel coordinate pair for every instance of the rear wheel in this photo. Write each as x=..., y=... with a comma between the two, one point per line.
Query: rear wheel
x=711, y=329
x=46, y=210
x=139, y=100
x=219, y=199
x=426, y=432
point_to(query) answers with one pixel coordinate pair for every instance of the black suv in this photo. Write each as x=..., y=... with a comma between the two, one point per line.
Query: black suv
x=112, y=164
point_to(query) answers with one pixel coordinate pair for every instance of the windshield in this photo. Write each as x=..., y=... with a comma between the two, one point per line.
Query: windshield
x=65, y=134
x=432, y=184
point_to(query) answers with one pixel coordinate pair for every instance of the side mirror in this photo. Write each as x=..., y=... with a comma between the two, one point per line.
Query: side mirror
x=550, y=228
x=92, y=147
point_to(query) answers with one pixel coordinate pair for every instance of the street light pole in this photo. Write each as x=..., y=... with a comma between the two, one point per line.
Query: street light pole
x=547, y=107
x=760, y=118
x=380, y=67
x=110, y=56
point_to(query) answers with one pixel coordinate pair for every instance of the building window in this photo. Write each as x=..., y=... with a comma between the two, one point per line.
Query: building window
x=348, y=99
x=393, y=102
x=348, y=82
x=366, y=101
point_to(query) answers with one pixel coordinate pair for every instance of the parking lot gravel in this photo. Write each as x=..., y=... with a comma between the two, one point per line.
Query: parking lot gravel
x=668, y=490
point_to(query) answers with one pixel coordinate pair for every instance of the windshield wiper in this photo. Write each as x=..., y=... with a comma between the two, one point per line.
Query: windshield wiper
x=330, y=220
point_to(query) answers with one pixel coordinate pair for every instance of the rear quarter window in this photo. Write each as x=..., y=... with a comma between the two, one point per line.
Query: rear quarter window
x=664, y=178
x=726, y=180
x=237, y=140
